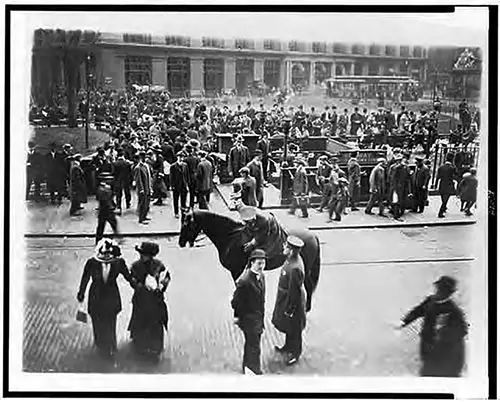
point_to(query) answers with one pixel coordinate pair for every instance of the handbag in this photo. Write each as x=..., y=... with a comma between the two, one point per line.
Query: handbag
x=81, y=315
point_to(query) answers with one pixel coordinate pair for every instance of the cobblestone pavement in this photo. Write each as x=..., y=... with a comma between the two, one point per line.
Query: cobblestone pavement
x=349, y=329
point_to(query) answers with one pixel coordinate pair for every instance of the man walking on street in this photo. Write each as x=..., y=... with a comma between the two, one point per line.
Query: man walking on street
x=354, y=177
x=56, y=174
x=204, y=176
x=377, y=187
x=123, y=179
x=248, y=304
x=238, y=157
x=322, y=179
x=192, y=162
x=142, y=177
x=445, y=185
x=78, y=186
x=104, y=195
x=263, y=145
x=179, y=183
x=34, y=170
x=289, y=315
x=442, y=349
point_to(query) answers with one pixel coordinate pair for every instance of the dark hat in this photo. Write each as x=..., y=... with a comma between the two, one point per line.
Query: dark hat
x=194, y=143
x=419, y=157
x=446, y=283
x=257, y=152
x=295, y=241
x=245, y=170
x=248, y=213
x=31, y=144
x=257, y=254
x=148, y=248
x=67, y=145
x=77, y=156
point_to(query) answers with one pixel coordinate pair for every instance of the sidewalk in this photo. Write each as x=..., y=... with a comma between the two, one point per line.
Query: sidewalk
x=54, y=221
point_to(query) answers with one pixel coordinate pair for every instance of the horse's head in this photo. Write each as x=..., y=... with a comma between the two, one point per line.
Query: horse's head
x=189, y=228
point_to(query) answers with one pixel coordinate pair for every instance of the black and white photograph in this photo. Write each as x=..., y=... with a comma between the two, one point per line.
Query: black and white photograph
x=249, y=201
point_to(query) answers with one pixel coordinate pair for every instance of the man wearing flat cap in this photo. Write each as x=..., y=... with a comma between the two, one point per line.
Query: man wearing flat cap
x=248, y=187
x=442, y=349
x=204, y=177
x=289, y=315
x=248, y=304
x=192, y=162
x=238, y=157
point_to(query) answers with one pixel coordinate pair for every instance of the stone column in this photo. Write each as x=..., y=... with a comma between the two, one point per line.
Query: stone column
x=282, y=73
x=380, y=69
x=196, y=75
x=312, y=75
x=333, y=71
x=352, y=69
x=258, y=70
x=230, y=73
x=411, y=50
x=366, y=69
x=288, y=77
x=159, y=72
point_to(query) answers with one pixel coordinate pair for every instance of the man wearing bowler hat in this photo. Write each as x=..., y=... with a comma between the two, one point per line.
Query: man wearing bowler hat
x=442, y=349
x=248, y=304
x=300, y=189
x=78, y=188
x=289, y=315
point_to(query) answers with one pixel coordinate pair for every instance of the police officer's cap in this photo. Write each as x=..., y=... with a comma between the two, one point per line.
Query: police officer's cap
x=245, y=170
x=257, y=254
x=295, y=241
x=248, y=213
x=381, y=160
x=446, y=283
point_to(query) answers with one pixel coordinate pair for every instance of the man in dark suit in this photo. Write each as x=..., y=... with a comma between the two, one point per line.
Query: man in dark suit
x=192, y=162
x=400, y=182
x=445, y=183
x=179, y=182
x=264, y=146
x=356, y=122
x=34, y=170
x=104, y=195
x=354, y=177
x=442, y=349
x=204, y=177
x=238, y=157
x=143, y=183
x=256, y=170
x=78, y=187
x=421, y=178
x=248, y=303
x=56, y=174
x=123, y=179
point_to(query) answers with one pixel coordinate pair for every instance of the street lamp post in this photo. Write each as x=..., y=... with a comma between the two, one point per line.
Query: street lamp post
x=87, y=105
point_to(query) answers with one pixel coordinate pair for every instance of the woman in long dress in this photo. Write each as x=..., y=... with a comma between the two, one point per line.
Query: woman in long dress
x=104, y=302
x=149, y=313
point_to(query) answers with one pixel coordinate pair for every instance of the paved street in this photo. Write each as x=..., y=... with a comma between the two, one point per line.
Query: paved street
x=369, y=278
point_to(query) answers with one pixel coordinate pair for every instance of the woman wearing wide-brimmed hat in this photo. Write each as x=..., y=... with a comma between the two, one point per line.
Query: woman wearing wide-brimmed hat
x=149, y=313
x=104, y=302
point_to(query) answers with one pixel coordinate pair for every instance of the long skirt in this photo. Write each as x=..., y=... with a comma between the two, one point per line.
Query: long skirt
x=104, y=328
x=148, y=321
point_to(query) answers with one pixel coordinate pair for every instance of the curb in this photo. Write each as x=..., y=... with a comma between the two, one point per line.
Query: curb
x=313, y=228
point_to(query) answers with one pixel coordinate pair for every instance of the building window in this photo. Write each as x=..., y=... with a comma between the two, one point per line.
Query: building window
x=417, y=51
x=244, y=44
x=212, y=42
x=213, y=75
x=178, y=41
x=178, y=75
x=137, y=38
x=272, y=45
x=319, y=47
x=293, y=46
x=138, y=70
x=358, y=49
x=339, y=48
x=404, y=51
x=390, y=50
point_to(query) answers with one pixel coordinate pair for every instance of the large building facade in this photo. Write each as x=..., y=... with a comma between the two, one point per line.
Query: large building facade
x=188, y=65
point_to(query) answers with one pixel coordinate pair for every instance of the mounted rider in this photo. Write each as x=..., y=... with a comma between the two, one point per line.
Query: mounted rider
x=268, y=234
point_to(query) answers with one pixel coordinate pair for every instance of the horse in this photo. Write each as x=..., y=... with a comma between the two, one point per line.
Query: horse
x=229, y=236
